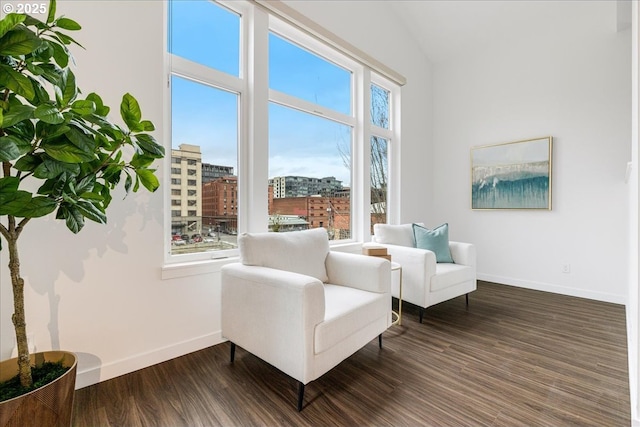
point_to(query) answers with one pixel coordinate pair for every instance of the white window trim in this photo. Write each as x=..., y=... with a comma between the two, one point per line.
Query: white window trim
x=252, y=87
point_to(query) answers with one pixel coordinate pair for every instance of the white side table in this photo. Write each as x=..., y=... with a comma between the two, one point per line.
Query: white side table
x=397, y=267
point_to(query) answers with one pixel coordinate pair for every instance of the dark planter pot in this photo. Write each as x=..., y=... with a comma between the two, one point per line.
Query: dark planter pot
x=49, y=405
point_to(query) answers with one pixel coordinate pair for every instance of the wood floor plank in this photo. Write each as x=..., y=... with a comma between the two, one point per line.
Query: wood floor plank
x=513, y=357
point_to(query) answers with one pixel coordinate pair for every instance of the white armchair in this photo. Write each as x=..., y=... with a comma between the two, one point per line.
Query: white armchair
x=424, y=281
x=301, y=307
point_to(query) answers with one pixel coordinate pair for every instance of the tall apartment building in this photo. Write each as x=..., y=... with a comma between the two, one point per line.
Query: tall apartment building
x=186, y=189
x=302, y=186
x=212, y=172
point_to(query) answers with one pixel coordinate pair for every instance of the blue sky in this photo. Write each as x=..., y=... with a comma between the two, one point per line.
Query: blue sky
x=299, y=143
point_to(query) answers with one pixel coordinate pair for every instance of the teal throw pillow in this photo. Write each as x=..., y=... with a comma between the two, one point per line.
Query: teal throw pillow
x=436, y=240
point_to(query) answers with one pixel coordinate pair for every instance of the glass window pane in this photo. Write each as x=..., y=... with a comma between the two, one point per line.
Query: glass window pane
x=203, y=32
x=299, y=73
x=379, y=180
x=205, y=140
x=309, y=173
x=379, y=106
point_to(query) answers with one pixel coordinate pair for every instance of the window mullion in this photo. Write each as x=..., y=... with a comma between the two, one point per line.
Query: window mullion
x=309, y=107
x=254, y=150
x=361, y=175
x=203, y=74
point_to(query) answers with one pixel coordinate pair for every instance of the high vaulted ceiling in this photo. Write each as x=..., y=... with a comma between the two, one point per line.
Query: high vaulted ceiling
x=448, y=28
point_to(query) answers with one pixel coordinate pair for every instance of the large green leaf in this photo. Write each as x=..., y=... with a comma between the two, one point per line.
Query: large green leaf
x=37, y=207
x=101, y=109
x=130, y=111
x=66, y=90
x=66, y=152
x=51, y=16
x=60, y=54
x=86, y=184
x=52, y=73
x=141, y=161
x=65, y=39
x=91, y=211
x=9, y=184
x=12, y=201
x=81, y=140
x=19, y=41
x=148, y=145
x=148, y=179
x=17, y=114
x=16, y=82
x=147, y=126
x=50, y=168
x=72, y=217
x=83, y=107
x=48, y=114
x=28, y=163
x=68, y=24
x=11, y=148
x=9, y=22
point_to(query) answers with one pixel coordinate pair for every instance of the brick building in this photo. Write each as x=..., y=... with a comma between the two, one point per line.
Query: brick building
x=220, y=205
x=332, y=213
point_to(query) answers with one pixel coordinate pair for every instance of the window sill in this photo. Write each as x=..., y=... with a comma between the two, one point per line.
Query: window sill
x=195, y=268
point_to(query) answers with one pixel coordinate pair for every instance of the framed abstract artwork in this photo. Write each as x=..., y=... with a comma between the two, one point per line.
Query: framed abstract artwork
x=513, y=175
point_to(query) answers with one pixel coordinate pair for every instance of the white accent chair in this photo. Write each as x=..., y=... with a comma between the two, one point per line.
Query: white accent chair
x=424, y=281
x=299, y=306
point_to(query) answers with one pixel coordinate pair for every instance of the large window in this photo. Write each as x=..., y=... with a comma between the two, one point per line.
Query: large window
x=204, y=46
x=271, y=129
x=380, y=113
x=310, y=138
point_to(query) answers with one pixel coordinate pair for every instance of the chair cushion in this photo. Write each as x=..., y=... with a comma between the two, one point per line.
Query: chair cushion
x=451, y=275
x=436, y=240
x=401, y=235
x=302, y=252
x=347, y=310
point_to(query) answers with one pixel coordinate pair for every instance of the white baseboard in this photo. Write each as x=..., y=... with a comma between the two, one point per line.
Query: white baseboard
x=106, y=371
x=557, y=289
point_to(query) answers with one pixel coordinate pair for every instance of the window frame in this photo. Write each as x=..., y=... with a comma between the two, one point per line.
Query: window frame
x=254, y=96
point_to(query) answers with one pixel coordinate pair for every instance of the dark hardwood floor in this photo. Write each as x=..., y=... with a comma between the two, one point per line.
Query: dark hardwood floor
x=514, y=357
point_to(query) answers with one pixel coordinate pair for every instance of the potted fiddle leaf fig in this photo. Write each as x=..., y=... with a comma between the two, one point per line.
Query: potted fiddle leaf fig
x=59, y=154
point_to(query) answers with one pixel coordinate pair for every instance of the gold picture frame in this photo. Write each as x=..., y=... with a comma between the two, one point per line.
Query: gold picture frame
x=512, y=175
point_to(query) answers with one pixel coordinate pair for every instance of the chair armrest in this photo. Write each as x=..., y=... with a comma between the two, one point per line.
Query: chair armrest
x=463, y=253
x=269, y=312
x=358, y=271
x=409, y=256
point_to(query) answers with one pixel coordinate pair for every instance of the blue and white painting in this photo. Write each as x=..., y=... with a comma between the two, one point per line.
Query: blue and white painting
x=516, y=175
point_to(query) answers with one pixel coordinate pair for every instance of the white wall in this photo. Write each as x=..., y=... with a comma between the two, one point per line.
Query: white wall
x=572, y=81
x=101, y=293
x=632, y=306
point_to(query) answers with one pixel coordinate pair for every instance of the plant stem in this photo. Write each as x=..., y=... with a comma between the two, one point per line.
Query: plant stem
x=18, y=318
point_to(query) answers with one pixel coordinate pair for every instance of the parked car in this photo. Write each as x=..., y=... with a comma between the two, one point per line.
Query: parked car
x=178, y=242
x=196, y=238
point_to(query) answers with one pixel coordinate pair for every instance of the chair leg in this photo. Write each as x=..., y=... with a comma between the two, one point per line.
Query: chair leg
x=300, y=395
x=233, y=351
x=421, y=313
x=380, y=340
x=467, y=298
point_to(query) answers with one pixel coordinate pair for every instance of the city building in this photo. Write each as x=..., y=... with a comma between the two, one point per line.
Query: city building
x=186, y=189
x=302, y=186
x=211, y=172
x=220, y=205
x=332, y=213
